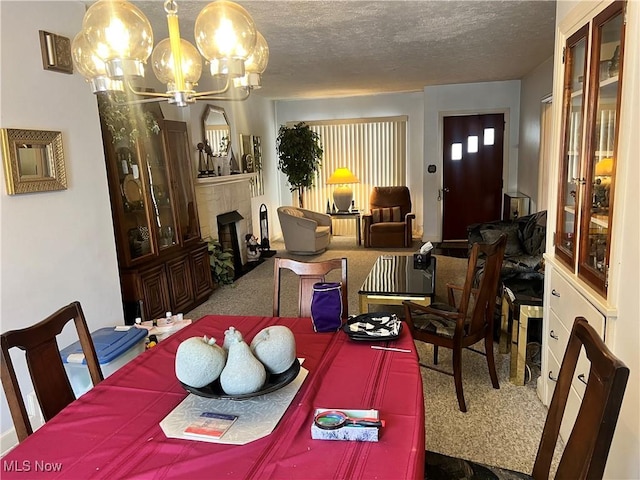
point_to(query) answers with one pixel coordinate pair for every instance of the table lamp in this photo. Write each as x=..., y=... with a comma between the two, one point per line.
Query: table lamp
x=343, y=194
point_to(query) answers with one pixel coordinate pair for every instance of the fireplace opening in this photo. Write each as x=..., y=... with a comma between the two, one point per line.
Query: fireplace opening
x=228, y=237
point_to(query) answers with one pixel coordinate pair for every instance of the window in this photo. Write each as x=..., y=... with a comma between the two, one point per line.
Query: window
x=472, y=144
x=374, y=149
x=489, y=136
x=456, y=151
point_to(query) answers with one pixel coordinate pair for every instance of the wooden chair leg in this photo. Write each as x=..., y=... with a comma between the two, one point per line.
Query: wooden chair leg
x=491, y=361
x=435, y=354
x=457, y=377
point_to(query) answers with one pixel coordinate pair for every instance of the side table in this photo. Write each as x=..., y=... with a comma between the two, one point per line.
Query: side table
x=353, y=215
x=520, y=309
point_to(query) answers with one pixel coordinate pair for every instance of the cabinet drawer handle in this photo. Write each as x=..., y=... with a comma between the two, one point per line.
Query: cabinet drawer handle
x=553, y=335
x=555, y=293
x=551, y=377
x=581, y=378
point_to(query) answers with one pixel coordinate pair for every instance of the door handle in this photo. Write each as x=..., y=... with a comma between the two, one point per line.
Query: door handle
x=441, y=191
x=551, y=377
x=553, y=335
x=555, y=293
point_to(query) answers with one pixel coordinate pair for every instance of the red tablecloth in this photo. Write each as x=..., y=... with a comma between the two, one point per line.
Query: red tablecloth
x=112, y=431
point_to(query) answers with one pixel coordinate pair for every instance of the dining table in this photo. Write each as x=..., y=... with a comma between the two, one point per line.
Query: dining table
x=113, y=431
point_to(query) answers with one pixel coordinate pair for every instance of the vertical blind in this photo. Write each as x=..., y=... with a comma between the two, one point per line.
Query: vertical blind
x=374, y=149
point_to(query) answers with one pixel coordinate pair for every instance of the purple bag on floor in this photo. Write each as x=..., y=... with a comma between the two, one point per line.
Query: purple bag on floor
x=326, y=306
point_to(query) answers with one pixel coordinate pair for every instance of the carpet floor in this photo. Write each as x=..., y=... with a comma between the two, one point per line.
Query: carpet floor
x=502, y=427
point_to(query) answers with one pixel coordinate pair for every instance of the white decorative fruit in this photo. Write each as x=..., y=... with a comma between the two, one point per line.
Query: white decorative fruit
x=243, y=372
x=275, y=347
x=231, y=335
x=199, y=361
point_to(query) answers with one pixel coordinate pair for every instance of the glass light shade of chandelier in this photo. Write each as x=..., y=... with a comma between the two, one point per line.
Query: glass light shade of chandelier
x=342, y=195
x=255, y=65
x=120, y=35
x=226, y=35
x=91, y=67
x=163, y=64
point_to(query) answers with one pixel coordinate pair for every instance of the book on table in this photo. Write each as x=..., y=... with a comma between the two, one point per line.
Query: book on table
x=210, y=425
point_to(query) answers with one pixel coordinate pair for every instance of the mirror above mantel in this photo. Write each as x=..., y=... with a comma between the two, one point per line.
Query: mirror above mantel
x=216, y=130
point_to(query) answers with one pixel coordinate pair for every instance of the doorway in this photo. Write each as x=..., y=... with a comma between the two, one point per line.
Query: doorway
x=472, y=172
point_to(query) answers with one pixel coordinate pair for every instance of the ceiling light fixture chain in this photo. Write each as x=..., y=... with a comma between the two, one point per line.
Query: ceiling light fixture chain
x=116, y=41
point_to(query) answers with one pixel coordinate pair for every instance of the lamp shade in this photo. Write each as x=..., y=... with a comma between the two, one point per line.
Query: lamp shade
x=343, y=194
x=342, y=175
x=604, y=167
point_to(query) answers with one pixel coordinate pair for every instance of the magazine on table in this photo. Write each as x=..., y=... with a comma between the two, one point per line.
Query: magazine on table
x=210, y=425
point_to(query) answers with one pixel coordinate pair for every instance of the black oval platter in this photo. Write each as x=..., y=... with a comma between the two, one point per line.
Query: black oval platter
x=274, y=382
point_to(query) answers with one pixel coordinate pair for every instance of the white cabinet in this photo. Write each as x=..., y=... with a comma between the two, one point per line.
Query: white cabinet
x=564, y=304
x=584, y=250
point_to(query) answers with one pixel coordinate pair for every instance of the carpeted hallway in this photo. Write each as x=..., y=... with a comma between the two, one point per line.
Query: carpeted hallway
x=502, y=427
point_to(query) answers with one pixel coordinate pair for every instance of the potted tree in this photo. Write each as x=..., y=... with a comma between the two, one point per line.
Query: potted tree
x=299, y=154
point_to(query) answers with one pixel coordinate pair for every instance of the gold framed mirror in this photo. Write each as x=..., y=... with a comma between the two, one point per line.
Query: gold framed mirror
x=33, y=160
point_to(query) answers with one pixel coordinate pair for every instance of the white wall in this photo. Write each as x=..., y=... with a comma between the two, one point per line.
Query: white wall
x=56, y=247
x=467, y=99
x=369, y=106
x=536, y=86
x=624, y=459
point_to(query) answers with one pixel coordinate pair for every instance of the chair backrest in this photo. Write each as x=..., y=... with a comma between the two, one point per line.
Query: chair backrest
x=385, y=197
x=585, y=453
x=309, y=273
x=50, y=382
x=482, y=297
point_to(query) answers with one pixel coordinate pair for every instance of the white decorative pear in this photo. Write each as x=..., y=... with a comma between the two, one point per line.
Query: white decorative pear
x=231, y=335
x=199, y=361
x=275, y=347
x=243, y=372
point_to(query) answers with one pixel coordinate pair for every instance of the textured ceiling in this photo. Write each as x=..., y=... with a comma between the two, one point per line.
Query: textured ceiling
x=339, y=48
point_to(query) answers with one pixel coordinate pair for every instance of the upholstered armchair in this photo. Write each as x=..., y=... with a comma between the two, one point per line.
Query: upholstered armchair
x=389, y=222
x=305, y=232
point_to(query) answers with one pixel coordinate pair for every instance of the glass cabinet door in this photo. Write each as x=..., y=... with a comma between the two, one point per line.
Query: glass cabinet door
x=600, y=158
x=573, y=113
x=159, y=191
x=182, y=170
x=136, y=222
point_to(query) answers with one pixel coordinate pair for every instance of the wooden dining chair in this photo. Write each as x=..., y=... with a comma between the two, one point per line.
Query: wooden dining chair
x=309, y=274
x=461, y=324
x=50, y=382
x=586, y=451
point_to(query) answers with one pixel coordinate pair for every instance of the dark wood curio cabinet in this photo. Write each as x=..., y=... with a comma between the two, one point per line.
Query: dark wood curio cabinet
x=161, y=257
x=593, y=61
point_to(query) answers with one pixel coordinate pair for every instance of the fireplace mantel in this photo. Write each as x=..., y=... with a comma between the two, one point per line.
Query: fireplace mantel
x=241, y=177
x=223, y=194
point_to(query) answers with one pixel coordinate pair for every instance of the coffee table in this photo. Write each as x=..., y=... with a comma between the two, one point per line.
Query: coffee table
x=393, y=279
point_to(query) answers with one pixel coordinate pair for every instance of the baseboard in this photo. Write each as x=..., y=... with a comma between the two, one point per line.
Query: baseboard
x=8, y=440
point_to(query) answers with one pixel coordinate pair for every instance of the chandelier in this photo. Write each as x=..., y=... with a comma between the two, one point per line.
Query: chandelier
x=116, y=40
